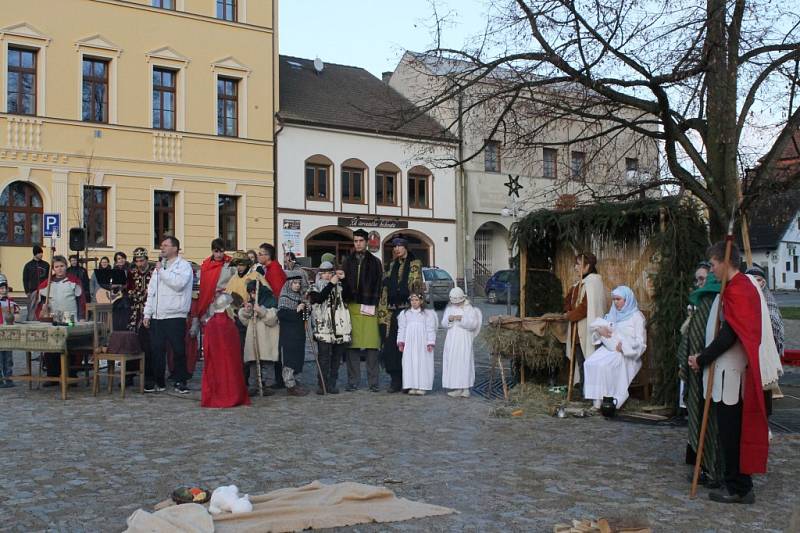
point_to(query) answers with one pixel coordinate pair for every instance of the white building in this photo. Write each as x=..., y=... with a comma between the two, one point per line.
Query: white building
x=775, y=240
x=553, y=173
x=347, y=159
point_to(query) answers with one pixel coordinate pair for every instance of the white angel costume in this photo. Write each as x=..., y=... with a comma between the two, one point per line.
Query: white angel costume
x=458, y=360
x=416, y=328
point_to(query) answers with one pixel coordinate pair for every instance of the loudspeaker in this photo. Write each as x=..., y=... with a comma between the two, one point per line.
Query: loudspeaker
x=77, y=239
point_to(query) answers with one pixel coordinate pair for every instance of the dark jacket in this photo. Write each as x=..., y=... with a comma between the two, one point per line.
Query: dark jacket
x=34, y=273
x=292, y=339
x=364, y=287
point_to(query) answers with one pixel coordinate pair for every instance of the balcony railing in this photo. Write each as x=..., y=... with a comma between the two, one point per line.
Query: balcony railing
x=167, y=147
x=24, y=133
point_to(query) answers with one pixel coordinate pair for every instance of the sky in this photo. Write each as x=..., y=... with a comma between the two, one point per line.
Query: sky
x=372, y=34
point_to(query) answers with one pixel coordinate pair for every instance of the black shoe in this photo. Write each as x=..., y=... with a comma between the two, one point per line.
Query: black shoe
x=723, y=497
x=351, y=388
x=394, y=389
x=333, y=391
x=374, y=388
x=181, y=388
x=149, y=388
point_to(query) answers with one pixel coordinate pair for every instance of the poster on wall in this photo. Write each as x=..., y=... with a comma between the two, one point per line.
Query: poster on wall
x=290, y=237
x=374, y=242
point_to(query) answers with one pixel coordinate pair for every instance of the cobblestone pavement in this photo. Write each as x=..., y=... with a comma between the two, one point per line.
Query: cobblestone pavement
x=86, y=464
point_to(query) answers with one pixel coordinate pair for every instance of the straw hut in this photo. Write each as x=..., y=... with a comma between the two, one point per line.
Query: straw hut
x=651, y=245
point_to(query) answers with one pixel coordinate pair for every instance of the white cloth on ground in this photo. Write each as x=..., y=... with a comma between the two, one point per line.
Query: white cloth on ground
x=417, y=329
x=608, y=372
x=458, y=359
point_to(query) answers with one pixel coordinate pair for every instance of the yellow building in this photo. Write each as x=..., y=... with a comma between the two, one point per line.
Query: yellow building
x=136, y=119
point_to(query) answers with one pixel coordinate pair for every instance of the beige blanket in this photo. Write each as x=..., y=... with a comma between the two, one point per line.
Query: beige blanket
x=315, y=506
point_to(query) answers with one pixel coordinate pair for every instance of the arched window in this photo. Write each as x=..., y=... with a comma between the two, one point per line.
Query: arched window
x=420, y=181
x=387, y=177
x=20, y=215
x=318, y=178
x=353, y=175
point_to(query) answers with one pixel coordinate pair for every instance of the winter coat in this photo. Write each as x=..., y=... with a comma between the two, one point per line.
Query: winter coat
x=362, y=286
x=330, y=314
x=264, y=329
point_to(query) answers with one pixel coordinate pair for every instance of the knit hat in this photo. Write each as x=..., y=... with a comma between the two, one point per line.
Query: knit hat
x=457, y=295
x=756, y=270
x=325, y=266
x=400, y=241
x=327, y=256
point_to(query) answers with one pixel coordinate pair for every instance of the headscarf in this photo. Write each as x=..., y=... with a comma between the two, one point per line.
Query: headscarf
x=631, y=305
x=290, y=299
x=712, y=286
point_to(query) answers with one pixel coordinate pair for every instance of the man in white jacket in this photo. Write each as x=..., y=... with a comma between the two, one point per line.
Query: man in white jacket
x=169, y=297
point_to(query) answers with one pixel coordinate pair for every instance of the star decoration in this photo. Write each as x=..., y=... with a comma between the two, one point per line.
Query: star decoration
x=513, y=186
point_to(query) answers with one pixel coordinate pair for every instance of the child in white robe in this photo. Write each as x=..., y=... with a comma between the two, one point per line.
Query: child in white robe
x=621, y=338
x=463, y=323
x=416, y=338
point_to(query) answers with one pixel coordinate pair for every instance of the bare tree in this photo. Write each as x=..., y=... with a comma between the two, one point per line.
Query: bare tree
x=697, y=78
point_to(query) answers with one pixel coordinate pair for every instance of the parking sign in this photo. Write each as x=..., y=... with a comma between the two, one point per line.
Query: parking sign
x=52, y=224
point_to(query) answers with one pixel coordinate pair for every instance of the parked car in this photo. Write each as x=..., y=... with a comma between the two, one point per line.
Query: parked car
x=437, y=284
x=498, y=285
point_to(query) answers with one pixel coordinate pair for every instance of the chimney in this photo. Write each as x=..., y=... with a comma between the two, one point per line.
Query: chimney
x=386, y=76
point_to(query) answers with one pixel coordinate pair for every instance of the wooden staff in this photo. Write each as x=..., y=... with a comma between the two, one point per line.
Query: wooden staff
x=45, y=313
x=256, y=351
x=574, y=337
x=707, y=405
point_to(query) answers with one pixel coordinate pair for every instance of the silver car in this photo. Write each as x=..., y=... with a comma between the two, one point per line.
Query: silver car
x=437, y=284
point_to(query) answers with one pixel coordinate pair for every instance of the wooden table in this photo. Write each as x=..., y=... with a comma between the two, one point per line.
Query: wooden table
x=44, y=337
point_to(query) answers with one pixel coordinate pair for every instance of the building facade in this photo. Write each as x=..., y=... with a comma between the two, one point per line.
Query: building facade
x=161, y=124
x=553, y=173
x=345, y=162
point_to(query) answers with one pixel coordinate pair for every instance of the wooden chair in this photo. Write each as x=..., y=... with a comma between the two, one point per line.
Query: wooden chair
x=644, y=378
x=102, y=318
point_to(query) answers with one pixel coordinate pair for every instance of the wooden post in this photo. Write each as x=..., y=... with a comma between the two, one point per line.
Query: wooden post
x=748, y=253
x=523, y=279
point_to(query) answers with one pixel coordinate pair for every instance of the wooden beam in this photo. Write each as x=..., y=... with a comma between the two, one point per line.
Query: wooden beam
x=523, y=278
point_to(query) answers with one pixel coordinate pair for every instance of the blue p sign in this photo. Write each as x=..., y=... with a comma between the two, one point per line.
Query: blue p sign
x=52, y=224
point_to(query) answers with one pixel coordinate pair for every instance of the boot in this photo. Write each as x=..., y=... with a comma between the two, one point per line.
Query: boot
x=397, y=384
x=296, y=391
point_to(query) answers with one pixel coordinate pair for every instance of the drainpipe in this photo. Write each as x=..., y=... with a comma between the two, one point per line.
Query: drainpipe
x=464, y=237
x=275, y=180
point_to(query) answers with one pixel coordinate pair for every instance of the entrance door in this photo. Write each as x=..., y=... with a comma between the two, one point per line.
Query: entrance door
x=328, y=242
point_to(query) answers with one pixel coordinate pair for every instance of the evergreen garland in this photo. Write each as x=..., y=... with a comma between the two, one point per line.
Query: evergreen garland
x=678, y=234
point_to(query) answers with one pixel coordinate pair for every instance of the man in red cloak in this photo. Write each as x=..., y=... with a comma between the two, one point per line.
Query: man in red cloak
x=213, y=279
x=223, y=376
x=743, y=429
x=272, y=271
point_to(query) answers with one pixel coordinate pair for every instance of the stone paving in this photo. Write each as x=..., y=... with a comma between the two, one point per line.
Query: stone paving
x=86, y=464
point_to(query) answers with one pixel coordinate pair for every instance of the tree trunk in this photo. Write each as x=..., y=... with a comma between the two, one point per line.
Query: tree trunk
x=721, y=140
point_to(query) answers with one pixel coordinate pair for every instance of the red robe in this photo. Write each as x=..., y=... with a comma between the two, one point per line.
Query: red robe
x=223, y=376
x=742, y=307
x=276, y=277
x=209, y=276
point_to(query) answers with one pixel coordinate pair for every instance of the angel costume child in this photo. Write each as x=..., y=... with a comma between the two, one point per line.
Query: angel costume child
x=416, y=338
x=292, y=311
x=223, y=381
x=463, y=323
x=621, y=339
